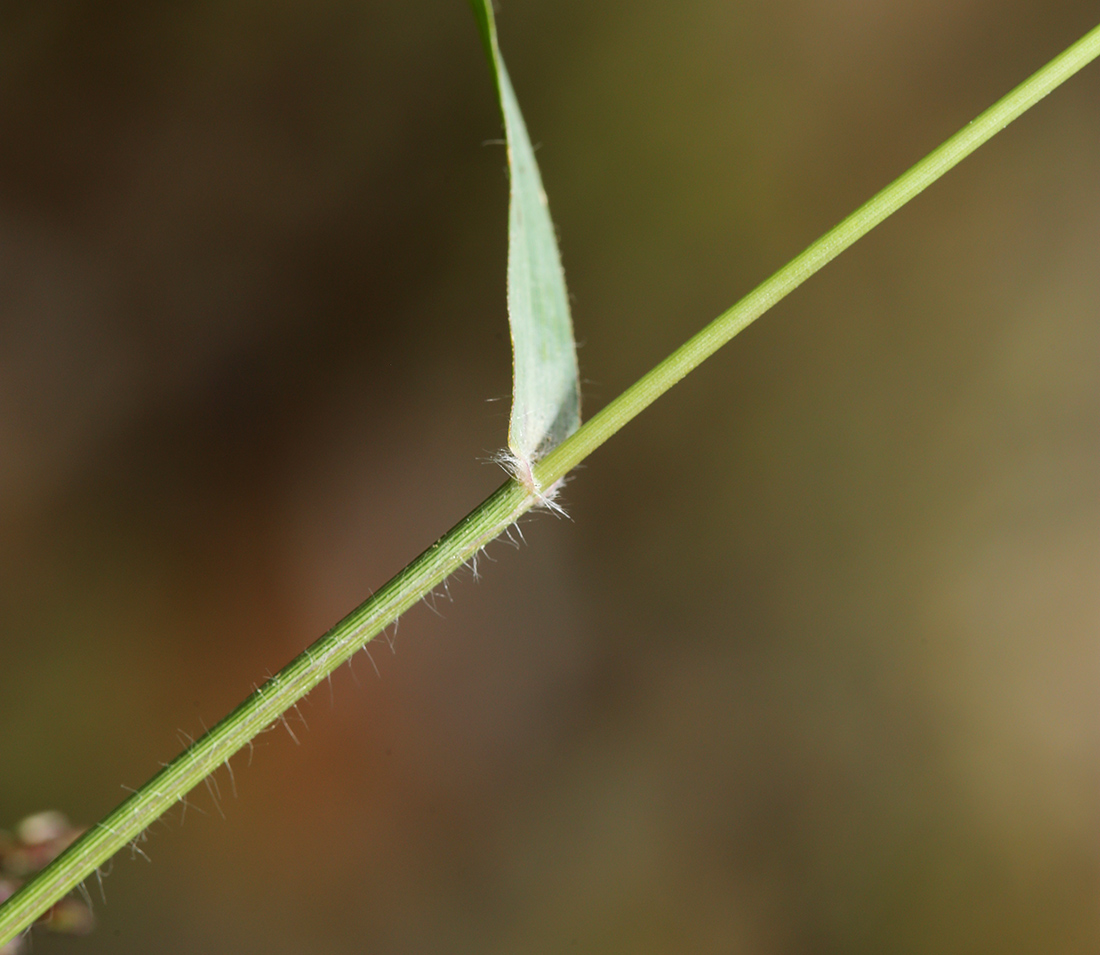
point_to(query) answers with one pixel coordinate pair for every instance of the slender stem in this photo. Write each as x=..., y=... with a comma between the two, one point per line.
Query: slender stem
x=692, y=353
x=263, y=708
x=267, y=704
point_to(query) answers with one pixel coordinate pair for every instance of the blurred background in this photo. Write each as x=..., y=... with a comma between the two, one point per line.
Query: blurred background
x=814, y=665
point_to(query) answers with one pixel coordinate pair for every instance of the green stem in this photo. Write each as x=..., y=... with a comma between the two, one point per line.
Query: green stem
x=690, y=355
x=267, y=704
x=263, y=708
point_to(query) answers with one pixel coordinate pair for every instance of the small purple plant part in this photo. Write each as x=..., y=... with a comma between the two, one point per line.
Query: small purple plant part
x=36, y=842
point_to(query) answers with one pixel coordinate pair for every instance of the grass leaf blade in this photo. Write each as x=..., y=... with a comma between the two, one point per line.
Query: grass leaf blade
x=545, y=384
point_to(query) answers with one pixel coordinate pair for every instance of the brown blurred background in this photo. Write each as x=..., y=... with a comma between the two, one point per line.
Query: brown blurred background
x=813, y=668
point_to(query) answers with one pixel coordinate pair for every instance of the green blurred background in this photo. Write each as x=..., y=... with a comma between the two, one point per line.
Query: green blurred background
x=814, y=666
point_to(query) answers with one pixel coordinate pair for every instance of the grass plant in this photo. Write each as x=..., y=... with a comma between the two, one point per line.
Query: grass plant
x=547, y=441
